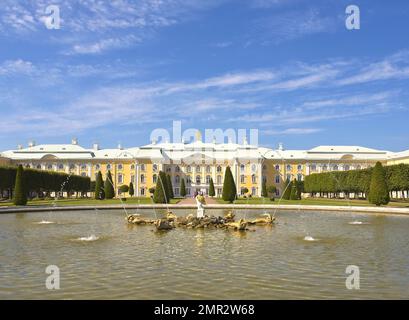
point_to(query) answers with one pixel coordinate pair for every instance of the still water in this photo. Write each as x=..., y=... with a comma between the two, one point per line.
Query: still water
x=100, y=256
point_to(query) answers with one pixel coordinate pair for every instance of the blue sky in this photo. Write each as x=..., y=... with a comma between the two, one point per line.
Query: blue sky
x=116, y=70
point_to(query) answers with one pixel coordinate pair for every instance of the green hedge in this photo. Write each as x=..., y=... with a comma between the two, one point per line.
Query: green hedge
x=355, y=181
x=43, y=181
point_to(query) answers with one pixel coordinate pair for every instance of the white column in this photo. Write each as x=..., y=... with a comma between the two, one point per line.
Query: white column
x=137, y=179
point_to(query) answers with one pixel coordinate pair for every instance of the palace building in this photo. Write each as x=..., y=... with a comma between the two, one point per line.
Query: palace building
x=197, y=162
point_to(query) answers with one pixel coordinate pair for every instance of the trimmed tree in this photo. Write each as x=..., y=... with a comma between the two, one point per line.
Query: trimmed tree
x=378, y=189
x=99, y=190
x=211, y=188
x=170, y=187
x=287, y=191
x=271, y=190
x=264, y=189
x=109, y=186
x=183, y=188
x=131, y=189
x=20, y=196
x=124, y=188
x=229, y=186
x=160, y=196
x=294, y=191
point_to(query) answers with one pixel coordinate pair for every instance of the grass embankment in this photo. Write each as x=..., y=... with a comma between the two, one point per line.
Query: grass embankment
x=86, y=202
x=316, y=202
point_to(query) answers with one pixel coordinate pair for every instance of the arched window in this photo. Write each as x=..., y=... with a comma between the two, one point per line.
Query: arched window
x=177, y=179
x=198, y=179
x=219, y=179
x=120, y=166
x=177, y=169
x=358, y=167
x=132, y=167
x=346, y=167
x=142, y=178
x=189, y=169
x=324, y=167
x=335, y=168
x=120, y=178
x=154, y=178
x=299, y=177
x=208, y=169
x=253, y=178
x=289, y=177
x=299, y=167
x=277, y=167
x=197, y=168
x=97, y=167
x=60, y=166
x=188, y=179
x=277, y=179
x=72, y=166
x=38, y=166
x=155, y=167
x=242, y=179
x=242, y=167
x=207, y=179
x=219, y=169
x=253, y=191
x=108, y=166
x=83, y=174
x=143, y=167
x=49, y=167
x=289, y=167
x=313, y=167
x=254, y=168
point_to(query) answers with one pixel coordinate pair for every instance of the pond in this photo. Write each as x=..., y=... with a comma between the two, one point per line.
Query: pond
x=303, y=256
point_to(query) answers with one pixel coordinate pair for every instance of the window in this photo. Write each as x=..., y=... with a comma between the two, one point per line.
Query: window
x=313, y=167
x=108, y=166
x=219, y=191
x=83, y=167
x=177, y=169
x=142, y=191
x=49, y=167
x=155, y=167
x=264, y=179
x=197, y=168
x=177, y=192
x=335, y=168
x=61, y=166
x=219, y=179
x=242, y=179
x=289, y=167
x=219, y=169
x=254, y=168
x=253, y=191
x=277, y=167
x=289, y=177
x=142, y=178
x=168, y=169
x=132, y=167
x=97, y=167
x=208, y=169
x=358, y=167
x=299, y=177
x=299, y=167
x=264, y=167
x=242, y=167
x=154, y=178
x=324, y=167
x=38, y=166
x=83, y=174
x=253, y=178
x=143, y=168
x=189, y=169
x=277, y=192
x=188, y=191
x=72, y=166
x=120, y=166
x=133, y=179
x=346, y=167
x=198, y=179
x=177, y=179
x=188, y=179
x=277, y=179
x=208, y=179
x=120, y=178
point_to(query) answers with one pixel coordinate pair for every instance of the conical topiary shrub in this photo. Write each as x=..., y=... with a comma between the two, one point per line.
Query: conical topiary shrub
x=211, y=188
x=109, y=186
x=99, y=187
x=183, y=188
x=160, y=196
x=20, y=196
x=229, y=186
x=378, y=189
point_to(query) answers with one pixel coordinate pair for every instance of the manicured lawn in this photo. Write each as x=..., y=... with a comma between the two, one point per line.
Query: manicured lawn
x=85, y=202
x=315, y=201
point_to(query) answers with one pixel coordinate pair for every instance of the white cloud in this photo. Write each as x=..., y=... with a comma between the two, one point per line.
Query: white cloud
x=292, y=131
